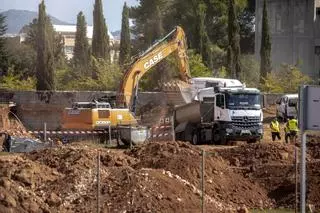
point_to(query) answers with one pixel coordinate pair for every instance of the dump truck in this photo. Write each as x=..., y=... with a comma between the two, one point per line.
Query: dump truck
x=221, y=110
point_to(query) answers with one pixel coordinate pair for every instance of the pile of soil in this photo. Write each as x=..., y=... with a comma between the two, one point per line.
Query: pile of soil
x=21, y=185
x=154, y=177
x=64, y=179
x=272, y=166
x=221, y=182
x=10, y=124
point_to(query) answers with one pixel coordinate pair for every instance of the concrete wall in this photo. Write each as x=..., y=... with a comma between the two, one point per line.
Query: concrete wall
x=270, y=99
x=295, y=31
x=36, y=108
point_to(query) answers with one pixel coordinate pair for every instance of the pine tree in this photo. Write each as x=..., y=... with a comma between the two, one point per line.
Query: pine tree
x=81, y=47
x=45, y=56
x=125, y=46
x=265, y=49
x=3, y=51
x=233, y=65
x=100, y=37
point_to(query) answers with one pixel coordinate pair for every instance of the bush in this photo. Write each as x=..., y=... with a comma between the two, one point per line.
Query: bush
x=286, y=80
x=197, y=67
x=109, y=77
x=16, y=82
x=250, y=70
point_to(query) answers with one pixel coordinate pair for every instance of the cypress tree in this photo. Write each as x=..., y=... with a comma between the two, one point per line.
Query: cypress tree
x=204, y=41
x=265, y=49
x=3, y=50
x=158, y=25
x=45, y=56
x=233, y=65
x=81, y=47
x=162, y=72
x=125, y=46
x=100, y=37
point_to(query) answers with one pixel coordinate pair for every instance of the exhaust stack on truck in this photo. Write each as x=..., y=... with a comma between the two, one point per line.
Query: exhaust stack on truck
x=220, y=110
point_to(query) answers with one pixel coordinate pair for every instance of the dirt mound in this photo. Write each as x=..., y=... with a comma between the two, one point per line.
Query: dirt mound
x=313, y=148
x=221, y=182
x=154, y=177
x=272, y=166
x=149, y=190
x=10, y=124
x=258, y=154
x=64, y=180
x=21, y=185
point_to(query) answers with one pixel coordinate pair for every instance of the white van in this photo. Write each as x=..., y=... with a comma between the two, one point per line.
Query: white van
x=287, y=106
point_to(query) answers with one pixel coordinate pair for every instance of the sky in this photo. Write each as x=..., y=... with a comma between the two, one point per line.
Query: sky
x=67, y=10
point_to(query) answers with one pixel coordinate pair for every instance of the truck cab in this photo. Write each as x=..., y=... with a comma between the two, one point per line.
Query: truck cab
x=237, y=112
x=287, y=106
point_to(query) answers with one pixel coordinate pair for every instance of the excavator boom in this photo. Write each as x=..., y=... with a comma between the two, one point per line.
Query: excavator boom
x=175, y=41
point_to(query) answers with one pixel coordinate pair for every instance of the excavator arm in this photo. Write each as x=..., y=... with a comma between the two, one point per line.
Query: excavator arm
x=174, y=42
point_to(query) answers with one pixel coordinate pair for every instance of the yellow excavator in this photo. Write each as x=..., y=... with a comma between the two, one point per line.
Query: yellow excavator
x=100, y=115
x=174, y=42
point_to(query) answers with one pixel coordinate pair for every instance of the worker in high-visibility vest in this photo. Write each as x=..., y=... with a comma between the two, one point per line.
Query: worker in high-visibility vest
x=286, y=133
x=275, y=129
x=292, y=126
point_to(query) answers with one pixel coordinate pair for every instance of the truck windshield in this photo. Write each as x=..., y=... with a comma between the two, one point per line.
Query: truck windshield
x=293, y=102
x=243, y=101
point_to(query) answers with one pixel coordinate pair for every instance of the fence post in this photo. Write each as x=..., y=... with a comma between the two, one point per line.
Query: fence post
x=172, y=129
x=109, y=134
x=202, y=181
x=98, y=182
x=296, y=176
x=130, y=130
x=45, y=132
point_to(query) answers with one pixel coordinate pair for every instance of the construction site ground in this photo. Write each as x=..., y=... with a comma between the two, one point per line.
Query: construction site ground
x=161, y=176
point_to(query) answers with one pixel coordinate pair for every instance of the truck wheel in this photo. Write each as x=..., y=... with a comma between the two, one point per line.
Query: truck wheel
x=219, y=137
x=195, y=139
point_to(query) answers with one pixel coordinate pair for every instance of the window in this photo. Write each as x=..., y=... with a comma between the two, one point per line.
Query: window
x=211, y=84
x=318, y=11
x=220, y=101
x=208, y=99
x=103, y=113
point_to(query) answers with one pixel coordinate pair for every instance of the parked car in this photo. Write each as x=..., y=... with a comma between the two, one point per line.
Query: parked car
x=287, y=106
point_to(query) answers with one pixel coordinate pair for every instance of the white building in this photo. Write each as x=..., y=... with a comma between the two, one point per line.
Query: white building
x=68, y=32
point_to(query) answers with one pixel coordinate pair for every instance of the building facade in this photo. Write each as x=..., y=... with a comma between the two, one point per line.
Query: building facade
x=295, y=33
x=68, y=33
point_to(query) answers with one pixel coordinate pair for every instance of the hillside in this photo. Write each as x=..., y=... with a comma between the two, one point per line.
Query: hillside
x=16, y=19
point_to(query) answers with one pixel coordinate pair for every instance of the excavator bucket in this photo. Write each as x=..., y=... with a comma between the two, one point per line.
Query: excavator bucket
x=177, y=92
